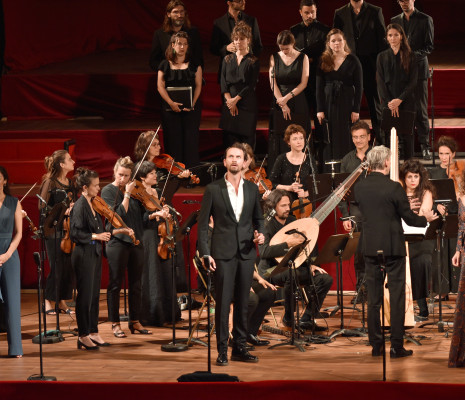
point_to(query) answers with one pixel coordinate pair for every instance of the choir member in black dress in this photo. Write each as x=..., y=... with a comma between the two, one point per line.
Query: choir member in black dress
x=221, y=44
x=176, y=19
x=364, y=29
x=415, y=180
x=284, y=174
x=339, y=93
x=310, y=38
x=288, y=73
x=419, y=30
x=239, y=75
x=156, y=276
x=122, y=253
x=397, y=73
x=57, y=188
x=87, y=233
x=180, y=122
x=11, y=230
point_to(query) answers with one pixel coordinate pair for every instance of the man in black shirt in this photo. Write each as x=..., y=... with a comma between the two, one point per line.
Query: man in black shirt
x=176, y=19
x=360, y=132
x=364, y=29
x=420, y=34
x=221, y=44
x=310, y=38
x=319, y=286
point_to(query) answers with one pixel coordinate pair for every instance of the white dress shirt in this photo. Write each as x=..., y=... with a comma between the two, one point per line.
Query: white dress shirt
x=237, y=200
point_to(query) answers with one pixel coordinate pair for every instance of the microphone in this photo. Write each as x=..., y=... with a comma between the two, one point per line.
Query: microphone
x=37, y=259
x=270, y=215
x=46, y=207
x=172, y=209
x=190, y=202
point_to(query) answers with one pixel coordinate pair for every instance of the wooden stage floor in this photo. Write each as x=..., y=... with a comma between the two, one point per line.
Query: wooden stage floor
x=138, y=358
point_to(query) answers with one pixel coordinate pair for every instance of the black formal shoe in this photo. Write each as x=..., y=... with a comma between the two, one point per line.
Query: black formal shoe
x=256, y=341
x=287, y=322
x=80, y=345
x=104, y=344
x=400, y=352
x=426, y=154
x=222, y=359
x=248, y=346
x=377, y=351
x=309, y=325
x=243, y=355
x=141, y=331
x=322, y=315
x=420, y=318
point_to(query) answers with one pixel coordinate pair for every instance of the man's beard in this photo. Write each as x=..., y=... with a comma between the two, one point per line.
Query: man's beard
x=177, y=22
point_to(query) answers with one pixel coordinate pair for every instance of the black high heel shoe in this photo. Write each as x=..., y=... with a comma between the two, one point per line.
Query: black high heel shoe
x=104, y=344
x=140, y=331
x=80, y=345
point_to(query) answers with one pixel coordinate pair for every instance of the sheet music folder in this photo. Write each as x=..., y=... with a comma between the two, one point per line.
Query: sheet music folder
x=181, y=94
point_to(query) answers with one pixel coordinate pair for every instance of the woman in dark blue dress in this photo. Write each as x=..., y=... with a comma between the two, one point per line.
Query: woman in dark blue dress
x=10, y=287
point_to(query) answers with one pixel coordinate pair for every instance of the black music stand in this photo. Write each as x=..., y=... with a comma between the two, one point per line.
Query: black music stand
x=337, y=249
x=288, y=262
x=443, y=228
x=185, y=232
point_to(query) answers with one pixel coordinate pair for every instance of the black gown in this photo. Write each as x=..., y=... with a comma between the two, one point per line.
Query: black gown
x=339, y=93
x=287, y=78
x=239, y=80
x=181, y=129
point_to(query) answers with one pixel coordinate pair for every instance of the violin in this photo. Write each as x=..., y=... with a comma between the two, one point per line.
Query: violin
x=102, y=208
x=258, y=176
x=302, y=207
x=165, y=161
x=455, y=172
x=151, y=203
x=167, y=242
x=66, y=244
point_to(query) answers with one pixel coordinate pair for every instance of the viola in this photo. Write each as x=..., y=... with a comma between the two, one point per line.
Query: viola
x=167, y=242
x=258, y=176
x=151, y=203
x=66, y=244
x=102, y=208
x=165, y=161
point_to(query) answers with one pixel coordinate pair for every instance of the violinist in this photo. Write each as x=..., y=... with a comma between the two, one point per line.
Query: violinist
x=86, y=230
x=122, y=252
x=180, y=121
x=360, y=132
x=255, y=174
x=57, y=188
x=156, y=281
x=285, y=174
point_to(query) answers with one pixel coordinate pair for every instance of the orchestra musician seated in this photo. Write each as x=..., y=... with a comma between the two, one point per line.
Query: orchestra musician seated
x=315, y=280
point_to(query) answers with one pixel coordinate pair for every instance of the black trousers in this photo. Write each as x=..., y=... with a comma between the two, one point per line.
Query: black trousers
x=233, y=280
x=421, y=108
x=61, y=270
x=122, y=255
x=322, y=283
x=395, y=269
x=260, y=301
x=88, y=266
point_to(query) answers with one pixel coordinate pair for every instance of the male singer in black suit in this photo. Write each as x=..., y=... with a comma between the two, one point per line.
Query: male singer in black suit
x=235, y=207
x=310, y=38
x=221, y=44
x=420, y=34
x=364, y=29
x=383, y=203
x=176, y=19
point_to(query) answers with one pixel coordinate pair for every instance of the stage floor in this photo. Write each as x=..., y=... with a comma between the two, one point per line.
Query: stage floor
x=138, y=358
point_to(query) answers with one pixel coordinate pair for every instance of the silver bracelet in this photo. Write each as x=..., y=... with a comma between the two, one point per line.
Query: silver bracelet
x=127, y=195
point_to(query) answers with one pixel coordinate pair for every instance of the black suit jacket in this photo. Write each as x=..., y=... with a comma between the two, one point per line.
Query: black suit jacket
x=221, y=36
x=161, y=40
x=229, y=236
x=420, y=34
x=372, y=29
x=383, y=203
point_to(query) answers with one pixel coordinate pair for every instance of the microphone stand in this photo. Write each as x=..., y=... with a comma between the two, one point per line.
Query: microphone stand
x=41, y=376
x=432, y=114
x=382, y=265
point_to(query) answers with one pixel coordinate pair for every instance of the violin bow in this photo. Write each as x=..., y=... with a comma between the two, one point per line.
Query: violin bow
x=145, y=154
x=29, y=191
x=261, y=166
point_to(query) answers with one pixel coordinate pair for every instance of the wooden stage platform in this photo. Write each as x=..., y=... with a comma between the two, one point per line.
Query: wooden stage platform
x=138, y=358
